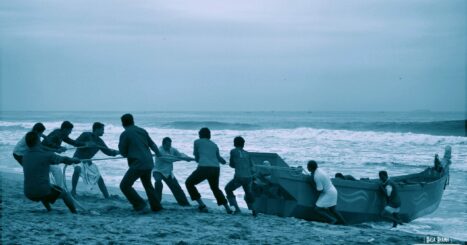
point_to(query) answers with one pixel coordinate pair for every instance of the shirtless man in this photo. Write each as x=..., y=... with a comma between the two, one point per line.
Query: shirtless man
x=54, y=140
x=92, y=138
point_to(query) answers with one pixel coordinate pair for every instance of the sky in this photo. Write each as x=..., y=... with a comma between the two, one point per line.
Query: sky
x=363, y=55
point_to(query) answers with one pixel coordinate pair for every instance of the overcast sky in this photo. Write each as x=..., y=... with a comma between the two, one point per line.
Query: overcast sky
x=236, y=55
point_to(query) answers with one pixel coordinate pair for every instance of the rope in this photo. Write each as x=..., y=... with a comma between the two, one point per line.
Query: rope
x=78, y=204
x=170, y=158
x=77, y=147
x=100, y=159
x=85, y=146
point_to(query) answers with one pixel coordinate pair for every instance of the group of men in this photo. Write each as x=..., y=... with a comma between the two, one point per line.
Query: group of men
x=39, y=158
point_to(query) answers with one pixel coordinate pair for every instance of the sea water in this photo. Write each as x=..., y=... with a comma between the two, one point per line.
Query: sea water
x=356, y=143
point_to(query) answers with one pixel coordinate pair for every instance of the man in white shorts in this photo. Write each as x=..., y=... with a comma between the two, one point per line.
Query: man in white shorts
x=88, y=170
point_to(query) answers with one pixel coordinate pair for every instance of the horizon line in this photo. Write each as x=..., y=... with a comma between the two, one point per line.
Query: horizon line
x=248, y=111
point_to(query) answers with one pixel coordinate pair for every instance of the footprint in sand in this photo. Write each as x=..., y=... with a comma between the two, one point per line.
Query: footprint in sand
x=111, y=208
x=115, y=197
x=394, y=240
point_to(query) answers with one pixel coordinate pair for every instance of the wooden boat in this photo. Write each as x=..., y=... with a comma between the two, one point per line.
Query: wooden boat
x=289, y=192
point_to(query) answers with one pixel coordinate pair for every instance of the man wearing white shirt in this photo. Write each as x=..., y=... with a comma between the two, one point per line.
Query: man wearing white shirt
x=21, y=147
x=163, y=171
x=327, y=199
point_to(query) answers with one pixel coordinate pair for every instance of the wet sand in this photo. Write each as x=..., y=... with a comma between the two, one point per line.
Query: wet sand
x=112, y=221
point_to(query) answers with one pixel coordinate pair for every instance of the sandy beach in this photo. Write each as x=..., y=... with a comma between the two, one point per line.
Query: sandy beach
x=113, y=222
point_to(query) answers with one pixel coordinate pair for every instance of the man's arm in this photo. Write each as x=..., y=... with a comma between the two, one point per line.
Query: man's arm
x=56, y=159
x=105, y=149
x=231, y=159
x=68, y=160
x=219, y=158
x=182, y=156
x=383, y=192
x=74, y=143
x=195, y=151
x=153, y=145
x=154, y=148
x=123, y=145
x=52, y=142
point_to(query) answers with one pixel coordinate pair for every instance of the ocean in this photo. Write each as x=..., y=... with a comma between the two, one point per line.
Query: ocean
x=356, y=143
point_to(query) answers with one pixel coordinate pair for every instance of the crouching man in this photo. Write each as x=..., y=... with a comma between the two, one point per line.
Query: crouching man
x=393, y=201
x=36, y=166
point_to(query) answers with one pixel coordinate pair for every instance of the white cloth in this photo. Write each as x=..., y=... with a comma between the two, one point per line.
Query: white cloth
x=328, y=197
x=57, y=175
x=388, y=190
x=90, y=173
x=392, y=210
x=21, y=147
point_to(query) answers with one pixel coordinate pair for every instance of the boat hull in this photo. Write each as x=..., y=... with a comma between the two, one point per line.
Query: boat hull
x=288, y=192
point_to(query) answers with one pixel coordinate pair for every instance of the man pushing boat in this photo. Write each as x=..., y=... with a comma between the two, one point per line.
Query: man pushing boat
x=327, y=199
x=393, y=201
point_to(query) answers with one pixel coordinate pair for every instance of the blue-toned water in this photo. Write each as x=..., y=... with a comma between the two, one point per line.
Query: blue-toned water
x=357, y=143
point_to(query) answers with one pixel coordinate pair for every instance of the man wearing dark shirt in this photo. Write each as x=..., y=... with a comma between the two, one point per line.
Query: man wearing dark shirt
x=240, y=160
x=393, y=201
x=55, y=138
x=88, y=153
x=53, y=142
x=36, y=164
x=135, y=145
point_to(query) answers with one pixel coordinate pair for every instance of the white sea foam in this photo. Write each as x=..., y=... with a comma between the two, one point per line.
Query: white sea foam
x=18, y=124
x=296, y=145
